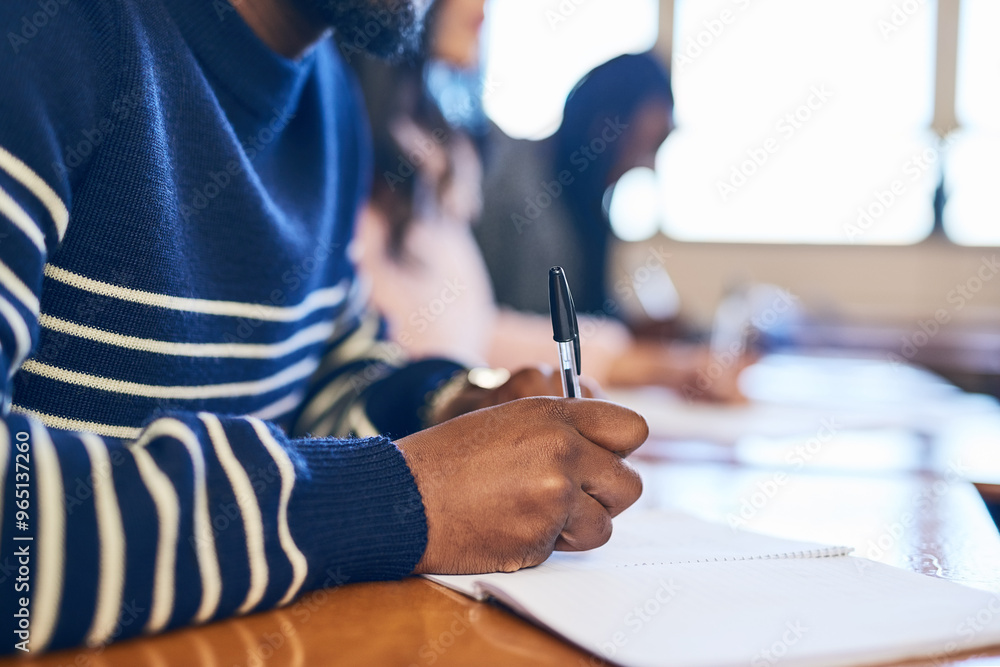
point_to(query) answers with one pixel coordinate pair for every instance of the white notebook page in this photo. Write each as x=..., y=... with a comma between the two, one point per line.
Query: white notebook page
x=752, y=600
x=655, y=537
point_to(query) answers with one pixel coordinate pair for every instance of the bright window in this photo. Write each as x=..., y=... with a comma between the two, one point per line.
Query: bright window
x=972, y=216
x=537, y=50
x=802, y=122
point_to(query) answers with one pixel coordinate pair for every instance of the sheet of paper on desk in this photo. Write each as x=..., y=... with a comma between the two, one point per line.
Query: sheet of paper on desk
x=674, y=590
x=792, y=395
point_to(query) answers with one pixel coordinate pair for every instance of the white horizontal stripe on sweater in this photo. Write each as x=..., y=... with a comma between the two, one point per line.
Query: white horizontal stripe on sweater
x=300, y=566
x=111, y=535
x=22, y=336
x=49, y=576
x=316, y=333
x=246, y=500
x=204, y=539
x=279, y=408
x=11, y=210
x=37, y=186
x=289, y=375
x=64, y=424
x=317, y=300
x=20, y=291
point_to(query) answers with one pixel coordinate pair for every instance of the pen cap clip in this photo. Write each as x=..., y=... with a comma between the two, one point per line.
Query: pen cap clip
x=564, y=326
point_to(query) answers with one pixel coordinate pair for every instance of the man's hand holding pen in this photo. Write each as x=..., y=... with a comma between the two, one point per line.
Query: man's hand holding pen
x=505, y=486
x=512, y=479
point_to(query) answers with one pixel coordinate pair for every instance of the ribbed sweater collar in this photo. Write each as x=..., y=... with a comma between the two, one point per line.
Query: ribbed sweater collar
x=238, y=60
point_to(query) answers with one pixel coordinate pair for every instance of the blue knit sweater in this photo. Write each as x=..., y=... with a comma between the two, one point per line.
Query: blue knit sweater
x=176, y=311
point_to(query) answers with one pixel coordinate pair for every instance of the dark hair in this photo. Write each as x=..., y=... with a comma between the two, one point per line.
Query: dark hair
x=393, y=92
x=610, y=93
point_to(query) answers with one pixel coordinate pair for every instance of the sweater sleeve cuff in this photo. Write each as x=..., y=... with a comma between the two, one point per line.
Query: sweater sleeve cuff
x=396, y=404
x=356, y=512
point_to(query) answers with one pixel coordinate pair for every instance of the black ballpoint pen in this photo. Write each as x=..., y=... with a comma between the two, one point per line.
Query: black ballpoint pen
x=565, y=331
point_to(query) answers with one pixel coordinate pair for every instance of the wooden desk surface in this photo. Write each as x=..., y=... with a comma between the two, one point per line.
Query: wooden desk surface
x=920, y=522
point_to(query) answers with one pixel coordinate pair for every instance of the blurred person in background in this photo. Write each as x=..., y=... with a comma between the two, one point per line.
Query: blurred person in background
x=614, y=120
x=415, y=243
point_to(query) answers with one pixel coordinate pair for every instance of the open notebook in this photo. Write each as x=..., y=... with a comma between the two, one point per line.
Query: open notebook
x=670, y=589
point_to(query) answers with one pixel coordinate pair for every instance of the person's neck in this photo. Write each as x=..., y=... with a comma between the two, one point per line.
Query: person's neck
x=281, y=25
